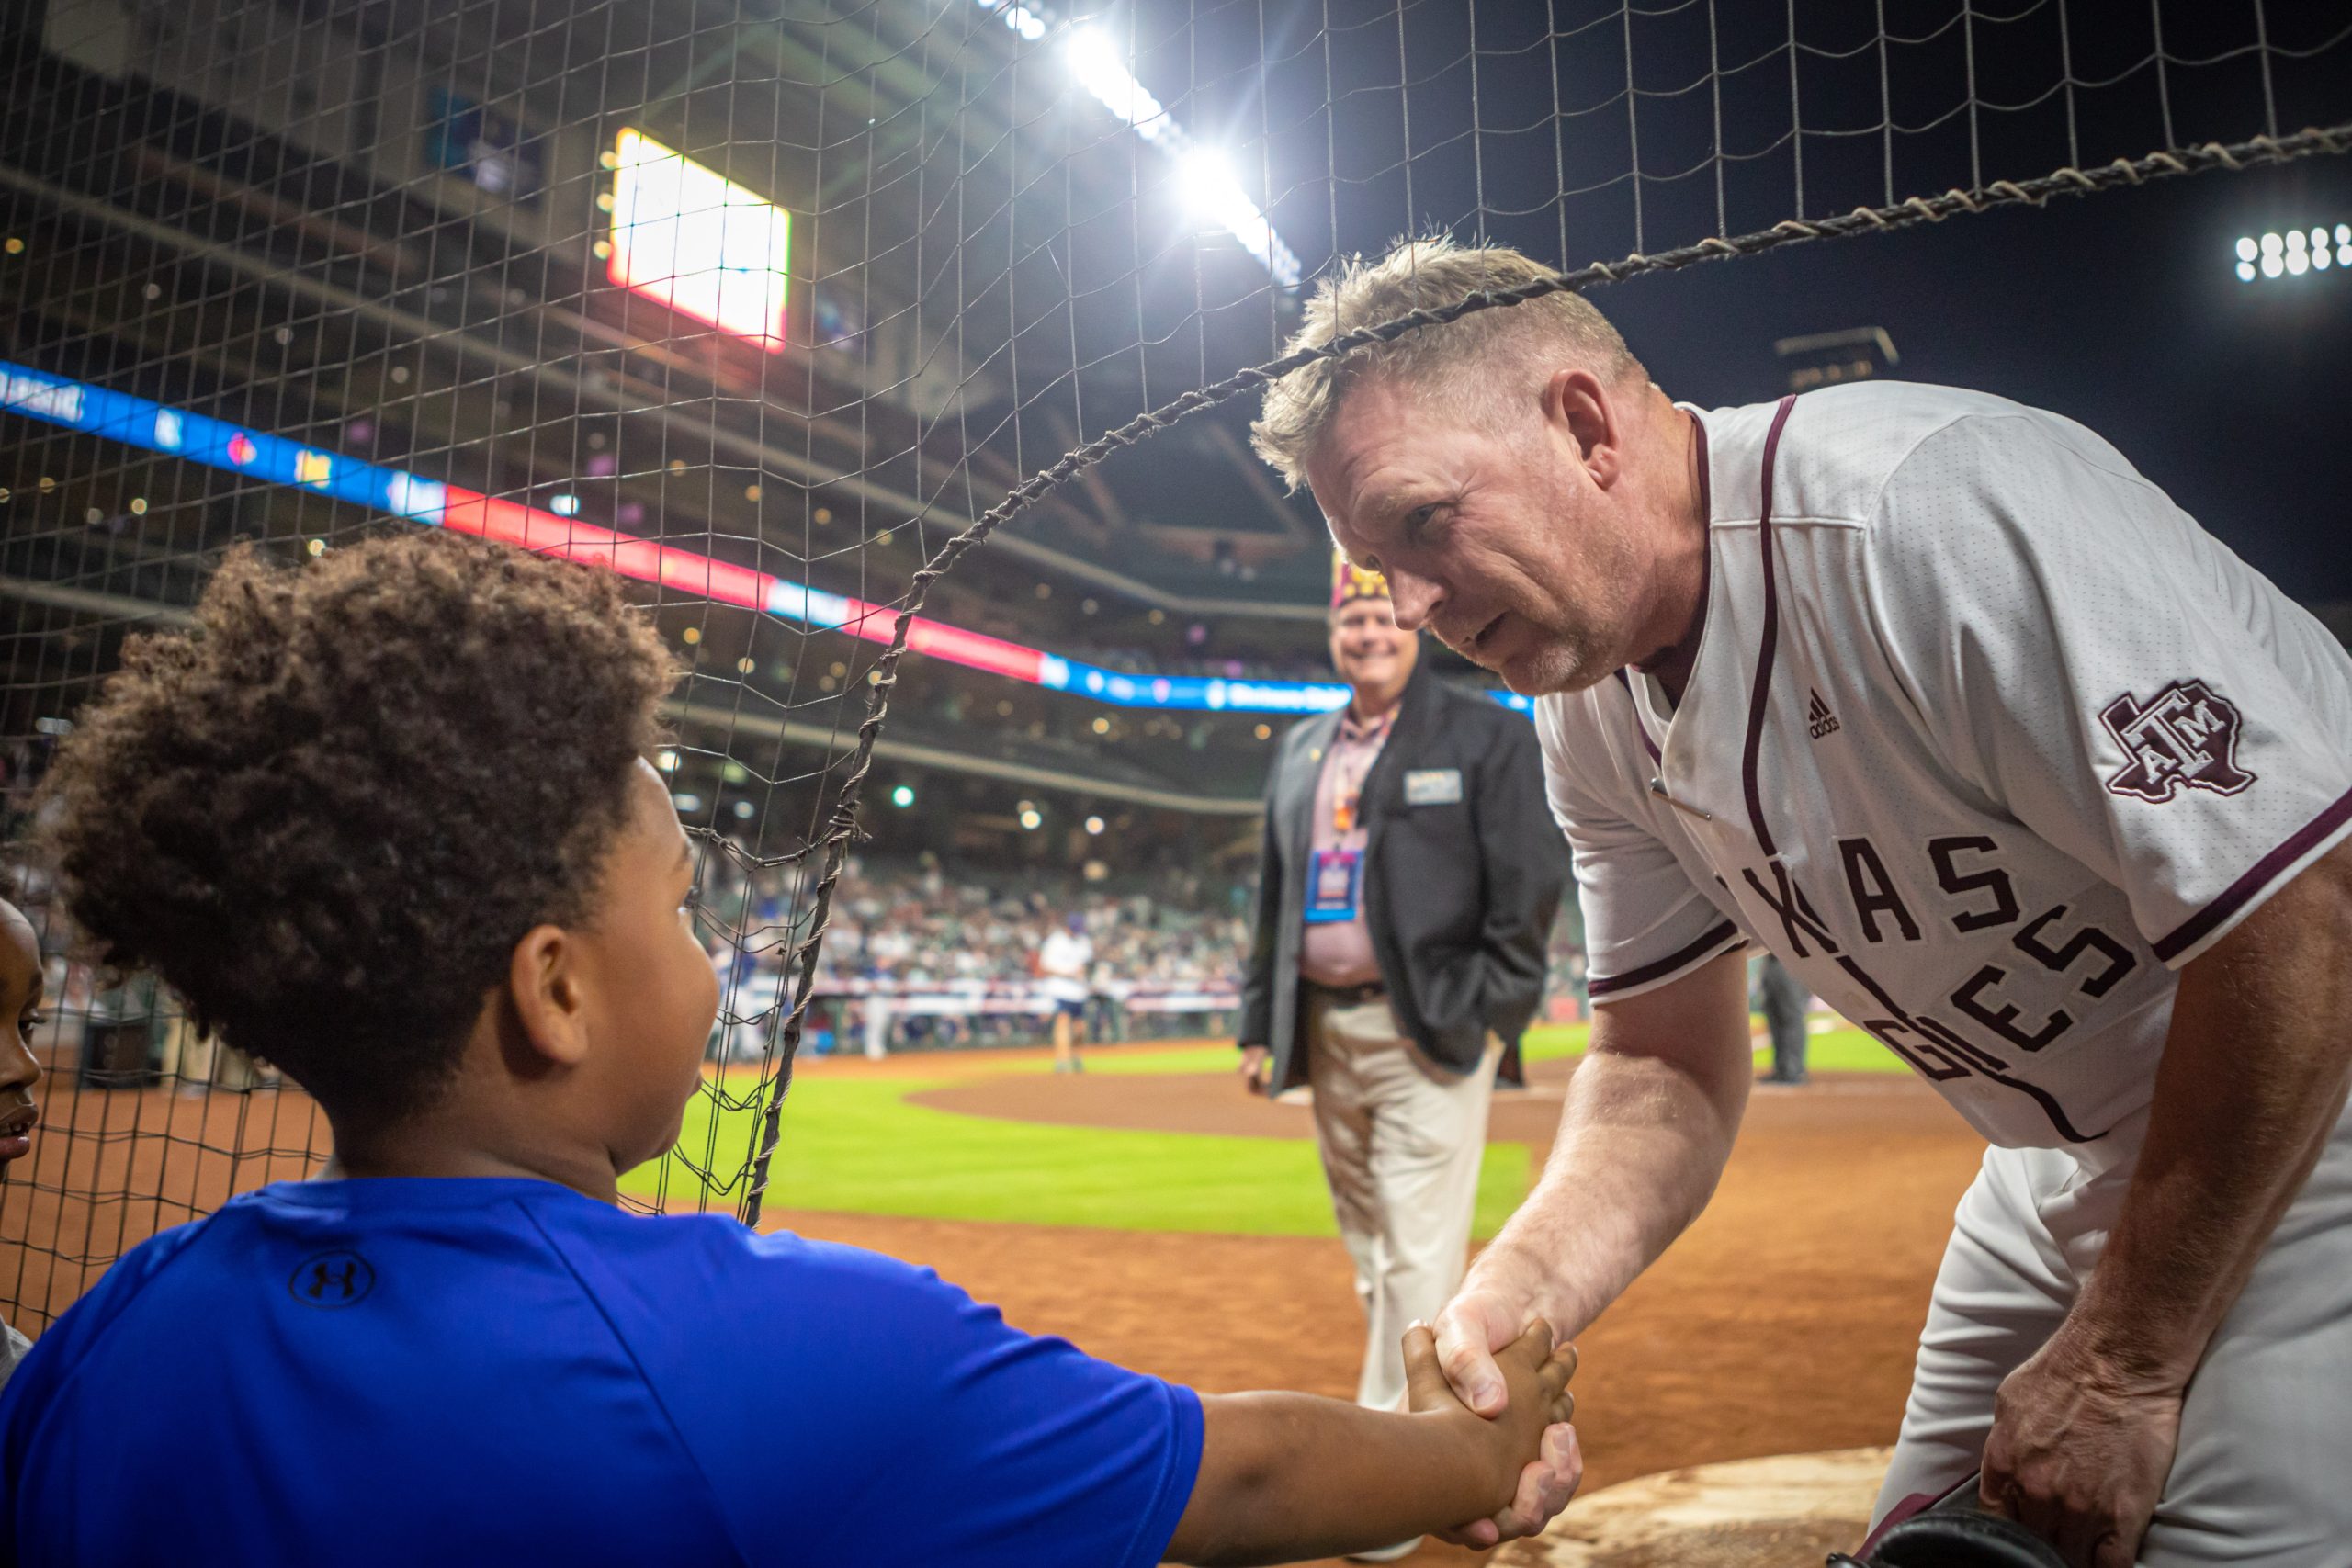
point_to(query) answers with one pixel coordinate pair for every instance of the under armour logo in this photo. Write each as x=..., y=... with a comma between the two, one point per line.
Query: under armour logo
x=332, y=1279
x=2187, y=734
x=1819, y=720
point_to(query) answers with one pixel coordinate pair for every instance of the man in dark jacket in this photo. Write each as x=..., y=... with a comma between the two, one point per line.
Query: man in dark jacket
x=1407, y=884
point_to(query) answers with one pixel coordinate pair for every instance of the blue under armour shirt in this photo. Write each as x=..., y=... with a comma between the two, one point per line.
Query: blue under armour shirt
x=452, y=1373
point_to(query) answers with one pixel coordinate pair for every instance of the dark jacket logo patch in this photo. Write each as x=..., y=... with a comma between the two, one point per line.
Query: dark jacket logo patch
x=2186, y=734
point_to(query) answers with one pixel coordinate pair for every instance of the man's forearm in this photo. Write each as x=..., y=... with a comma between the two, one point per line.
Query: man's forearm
x=1642, y=1143
x=2252, y=1082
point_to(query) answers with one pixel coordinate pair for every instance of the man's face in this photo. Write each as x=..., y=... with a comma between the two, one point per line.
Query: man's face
x=1503, y=543
x=1369, y=650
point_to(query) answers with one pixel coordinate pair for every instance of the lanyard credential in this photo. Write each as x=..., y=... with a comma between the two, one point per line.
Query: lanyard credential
x=1347, y=785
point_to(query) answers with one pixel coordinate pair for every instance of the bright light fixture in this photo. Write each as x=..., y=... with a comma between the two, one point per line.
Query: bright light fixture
x=2292, y=253
x=903, y=796
x=1030, y=820
x=1211, y=191
x=564, y=506
x=1095, y=61
x=693, y=239
x=1094, y=826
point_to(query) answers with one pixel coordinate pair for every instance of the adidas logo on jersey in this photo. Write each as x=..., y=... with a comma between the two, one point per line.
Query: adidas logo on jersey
x=1820, y=720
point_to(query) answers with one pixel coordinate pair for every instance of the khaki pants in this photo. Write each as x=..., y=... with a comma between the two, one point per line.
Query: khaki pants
x=1401, y=1140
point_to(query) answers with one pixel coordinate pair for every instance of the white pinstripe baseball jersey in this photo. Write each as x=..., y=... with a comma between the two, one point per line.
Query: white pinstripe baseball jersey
x=1984, y=738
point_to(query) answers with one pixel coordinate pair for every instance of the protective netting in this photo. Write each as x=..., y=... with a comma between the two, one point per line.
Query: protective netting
x=778, y=308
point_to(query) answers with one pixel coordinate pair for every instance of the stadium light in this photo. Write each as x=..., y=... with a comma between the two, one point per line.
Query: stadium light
x=1030, y=22
x=1215, y=195
x=1095, y=62
x=2294, y=253
x=693, y=239
x=1093, y=59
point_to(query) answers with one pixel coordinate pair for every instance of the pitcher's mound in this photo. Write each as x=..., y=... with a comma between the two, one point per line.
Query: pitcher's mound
x=1788, y=1511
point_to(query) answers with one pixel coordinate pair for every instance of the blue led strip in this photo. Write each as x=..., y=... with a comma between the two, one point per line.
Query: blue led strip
x=216, y=444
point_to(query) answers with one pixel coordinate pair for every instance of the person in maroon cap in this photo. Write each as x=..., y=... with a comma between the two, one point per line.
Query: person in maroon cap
x=1408, y=879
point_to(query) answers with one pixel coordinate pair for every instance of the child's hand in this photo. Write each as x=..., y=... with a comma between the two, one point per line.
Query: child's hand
x=1531, y=1437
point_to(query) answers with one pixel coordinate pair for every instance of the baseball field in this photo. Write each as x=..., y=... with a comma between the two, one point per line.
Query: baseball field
x=1156, y=1214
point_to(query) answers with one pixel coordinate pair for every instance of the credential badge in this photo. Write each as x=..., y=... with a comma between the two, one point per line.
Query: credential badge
x=2186, y=734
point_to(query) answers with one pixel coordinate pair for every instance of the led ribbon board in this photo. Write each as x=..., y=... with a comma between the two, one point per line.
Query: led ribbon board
x=694, y=240
x=216, y=444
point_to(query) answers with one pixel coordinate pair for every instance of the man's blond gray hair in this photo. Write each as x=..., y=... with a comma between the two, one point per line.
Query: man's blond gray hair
x=1487, y=362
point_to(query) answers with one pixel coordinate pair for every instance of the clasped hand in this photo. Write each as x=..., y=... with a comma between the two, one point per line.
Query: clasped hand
x=1472, y=1349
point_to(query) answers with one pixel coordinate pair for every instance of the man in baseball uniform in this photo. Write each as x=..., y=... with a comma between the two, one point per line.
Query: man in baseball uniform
x=1936, y=697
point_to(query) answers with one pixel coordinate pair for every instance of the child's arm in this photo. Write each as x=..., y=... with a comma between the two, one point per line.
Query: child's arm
x=1286, y=1476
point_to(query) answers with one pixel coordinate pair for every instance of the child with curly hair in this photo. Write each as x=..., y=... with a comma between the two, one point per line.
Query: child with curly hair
x=387, y=821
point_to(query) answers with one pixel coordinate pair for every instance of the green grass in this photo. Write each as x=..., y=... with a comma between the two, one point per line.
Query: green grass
x=1839, y=1051
x=856, y=1145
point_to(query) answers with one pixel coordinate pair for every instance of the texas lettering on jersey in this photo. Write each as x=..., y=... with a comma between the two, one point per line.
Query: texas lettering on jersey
x=1980, y=896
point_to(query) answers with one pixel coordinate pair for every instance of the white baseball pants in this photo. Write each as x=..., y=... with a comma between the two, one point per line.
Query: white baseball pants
x=2264, y=1471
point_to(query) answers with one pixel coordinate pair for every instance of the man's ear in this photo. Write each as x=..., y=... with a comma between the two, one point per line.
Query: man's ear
x=1580, y=408
x=550, y=1003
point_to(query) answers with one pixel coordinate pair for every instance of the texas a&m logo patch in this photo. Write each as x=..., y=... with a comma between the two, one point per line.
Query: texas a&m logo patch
x=2186, y=734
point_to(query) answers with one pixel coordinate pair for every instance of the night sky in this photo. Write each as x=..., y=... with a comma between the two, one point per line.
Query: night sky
x=2121, y=310
x=1361, y=121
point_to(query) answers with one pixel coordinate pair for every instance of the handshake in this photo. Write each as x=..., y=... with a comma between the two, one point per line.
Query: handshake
x=1286, y=1476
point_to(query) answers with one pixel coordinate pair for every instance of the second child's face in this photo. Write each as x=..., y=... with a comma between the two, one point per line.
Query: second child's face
x=658, y=995
x=20, y=997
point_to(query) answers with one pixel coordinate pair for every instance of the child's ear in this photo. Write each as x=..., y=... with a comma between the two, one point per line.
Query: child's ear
x=543, y=978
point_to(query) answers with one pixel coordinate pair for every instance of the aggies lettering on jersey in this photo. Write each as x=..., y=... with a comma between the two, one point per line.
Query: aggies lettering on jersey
x=2074, y=740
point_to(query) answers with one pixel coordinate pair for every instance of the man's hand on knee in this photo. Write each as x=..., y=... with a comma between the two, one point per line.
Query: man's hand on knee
x=2079, y=1453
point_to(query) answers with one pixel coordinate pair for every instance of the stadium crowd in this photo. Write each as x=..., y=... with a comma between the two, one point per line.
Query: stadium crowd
x=952, y=952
